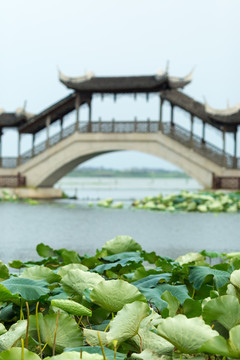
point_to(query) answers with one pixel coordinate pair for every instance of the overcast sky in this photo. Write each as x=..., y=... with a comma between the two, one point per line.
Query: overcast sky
x=117, y=37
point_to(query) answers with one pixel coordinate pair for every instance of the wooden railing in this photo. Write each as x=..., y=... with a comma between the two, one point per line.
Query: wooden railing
x=12, y=180
x=175, y=132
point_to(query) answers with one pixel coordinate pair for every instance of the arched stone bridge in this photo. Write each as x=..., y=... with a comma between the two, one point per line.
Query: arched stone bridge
x=44, y=164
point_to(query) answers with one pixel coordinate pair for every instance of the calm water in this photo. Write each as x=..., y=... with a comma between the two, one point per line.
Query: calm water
x=74, y=225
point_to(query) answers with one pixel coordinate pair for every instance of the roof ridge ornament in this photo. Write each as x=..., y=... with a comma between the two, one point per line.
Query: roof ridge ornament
x=88, y=76
x=180, y=82
x=222, y=112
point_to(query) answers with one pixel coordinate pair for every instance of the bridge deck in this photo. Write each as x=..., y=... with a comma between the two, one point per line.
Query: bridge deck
x=175, y=132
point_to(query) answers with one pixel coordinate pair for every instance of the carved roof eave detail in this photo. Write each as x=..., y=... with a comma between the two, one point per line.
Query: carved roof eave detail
x=124, y=84
x=16, y=119
x=231, y=113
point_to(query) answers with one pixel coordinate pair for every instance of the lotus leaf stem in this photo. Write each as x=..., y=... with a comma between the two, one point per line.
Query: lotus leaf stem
x=38, y=330
x=55, y=334
x=27, y=306
x=100, y=342
x=22, y=346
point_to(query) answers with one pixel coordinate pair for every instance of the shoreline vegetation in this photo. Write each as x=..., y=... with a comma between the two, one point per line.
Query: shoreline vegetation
x=128, y=173
x=121, y=303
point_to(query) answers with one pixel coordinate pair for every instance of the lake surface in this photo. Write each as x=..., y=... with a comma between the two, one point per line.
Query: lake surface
x=74, y=225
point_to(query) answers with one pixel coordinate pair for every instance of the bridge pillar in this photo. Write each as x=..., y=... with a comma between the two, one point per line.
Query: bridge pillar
x=77, y=108
x=48, y=121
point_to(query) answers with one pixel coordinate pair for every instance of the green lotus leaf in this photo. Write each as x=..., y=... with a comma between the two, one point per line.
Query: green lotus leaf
x=148, y=339
x=189, y=258
x=72, y=307
x=114, y=266
x=4, y=271
x=40, y=273
x=219, y=346
x=73, y=355
x=45, y=250
x=173, y=303
x=121, y=243
x=65, y=269
x=16, y=331
x=6, y=295
x=121, y=256
x=235, y=278
x=127, y=321
x=198, y=274
x=154, y=294
x=112, y=295
x=92, y=337
x=146, y=354
x=76, y=281
x=3, y=330
x=152, y=280
x=97, y=350
x=15, y=353
x=187, y=335
x=225, y=309
x=68, y=332
x=192, y=308
x=28, y=289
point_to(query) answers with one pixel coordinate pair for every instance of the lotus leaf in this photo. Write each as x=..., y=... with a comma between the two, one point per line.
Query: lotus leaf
x=76, y=281
x=152, y=280
x=112, y=295
x=4, y=271
x=40, y=273
x=65, y=269
x=190, y=257
x=218, y=345
x=127, y=321
x=154, y=294
x=2, y=329
x=121, y=243
x=68, y=333
x=192, y=308
x=16, y=353
x=28, y=289
x=130, y=261
x=72, y=307
x=73, y=355
x=121, y=256
x=225, y=309
x=235, y=278
x=198, y=274
x=45, y=250
x=146, y=354
x=148, y=339
x=92, y=337
x=173, y=303
x=186, y=334
x=6, y=295
x=15, y=332
x=97, y=350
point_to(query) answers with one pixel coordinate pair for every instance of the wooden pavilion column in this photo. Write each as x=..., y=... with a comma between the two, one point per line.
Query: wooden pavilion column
x=235, y=148
x=48, y=122
x=191, y=130
x=203, y=132
x=19, y=148
x=90, y=116
x=77, y=108
x=1, y=133
x=172, y=110
x=224, y=140
x=33, y=143
x=160, y=112
x=61, y=127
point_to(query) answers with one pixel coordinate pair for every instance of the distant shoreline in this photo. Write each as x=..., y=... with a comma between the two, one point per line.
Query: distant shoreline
x=132, y=173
